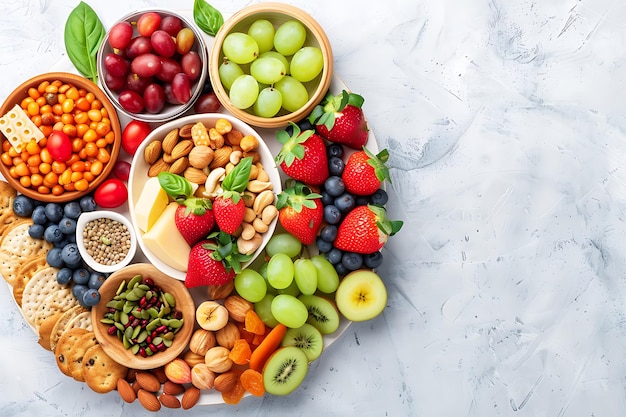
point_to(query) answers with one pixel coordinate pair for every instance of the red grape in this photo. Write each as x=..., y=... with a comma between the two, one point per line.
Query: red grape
x=146, y=65
x=171, y=24
x=114, y=83
x=207, y=103
x=169, y=68
x=163, y=43
x=154, y=98
x=138, y=84
x=148, y=23
x=138, y=46
x=181, y=87
x=120, y=34
x=191, y=65
x=131, y=101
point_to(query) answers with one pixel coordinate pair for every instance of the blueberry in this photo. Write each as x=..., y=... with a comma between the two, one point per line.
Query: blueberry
x=39, y=215
x=23, y=206
x=54, y=258
x=72, y=210
x=91, y=297
x=78, y=290
x=87, y=203
x=96, y=279
x=207, y=87
x=323, y=246
x=71, y=238
x=352, y=260
x=329, y=233
x=61, y=243
x=36, y=231
x=341, y=269
x=335, y=166
x=334, y=186
x=54, y=212
x=64, y=276
x=380, y=197
x=373, y=260
x=332, y=215
x=334, y=149
x=345, y=202
x=327, y=199
x=334, y=256
x=53, y=234
x=81, y=276
x=70, y=253
x=67, y=225
x=305, y=124
x=76, y=265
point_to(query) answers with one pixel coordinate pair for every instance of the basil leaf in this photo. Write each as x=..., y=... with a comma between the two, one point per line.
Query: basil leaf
x=237, y=179
x=83, y=34
x=207, y=17
x=177, y=187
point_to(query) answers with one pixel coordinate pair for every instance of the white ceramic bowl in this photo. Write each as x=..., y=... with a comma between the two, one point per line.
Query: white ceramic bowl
x=84, y=219
x=139, y=176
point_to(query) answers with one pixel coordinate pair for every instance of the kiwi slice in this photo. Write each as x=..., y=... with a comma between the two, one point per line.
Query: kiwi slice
x=323, y=314
x=285, y=370
x=307, y=338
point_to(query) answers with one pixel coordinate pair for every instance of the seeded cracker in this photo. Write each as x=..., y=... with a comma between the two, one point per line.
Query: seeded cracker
x=76, y=355
x=17, y=247
x=57, y=302
x=40, y=286
x=63, y=324
x=63, y=348
x=100, y=371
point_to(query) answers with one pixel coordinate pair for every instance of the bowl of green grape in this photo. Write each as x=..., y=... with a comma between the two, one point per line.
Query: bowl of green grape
x=270, y=63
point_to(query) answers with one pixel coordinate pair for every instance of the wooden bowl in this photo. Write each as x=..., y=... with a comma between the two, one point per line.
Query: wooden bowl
x=276, y=13
x=113, y=346
x=21, y=92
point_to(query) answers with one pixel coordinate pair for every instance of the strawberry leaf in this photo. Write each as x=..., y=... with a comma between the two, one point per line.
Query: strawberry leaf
x=225, y=250
x=292, y=148
x=378, y=162
x=389, y=227
x=197, y=206
x=297, y=196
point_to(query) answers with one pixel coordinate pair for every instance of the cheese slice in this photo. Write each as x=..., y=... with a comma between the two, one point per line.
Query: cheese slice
x=19, y=129
x=151, y=204
x=165, y=241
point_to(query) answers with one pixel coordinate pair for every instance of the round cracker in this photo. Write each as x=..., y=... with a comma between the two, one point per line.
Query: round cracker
x=24, y=273
x=82, y=320
x=45, y=330
x=63, y=349
x=63, y=323
x=57, y=302
x=39, y=287
x=77, y=354
x=17, y=247
x=100, y=371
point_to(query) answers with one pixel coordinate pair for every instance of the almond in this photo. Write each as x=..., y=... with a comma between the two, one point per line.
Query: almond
x=170, y=140
x=159, y=166
x=221, y=157
x=182, y=148
x=195, y=175
x=169, y=401
x=152, y=152
x=185, y=131
x=200, y=156
x=160, y=374
x=233, y=137
x=190, y=397
x=148, y=381
x=219, y=292
x=227, y=335
x=225, y=382
x=179, y=166
x=126, y=391
x=149, y=401
x=237, y=307
x=173, y=388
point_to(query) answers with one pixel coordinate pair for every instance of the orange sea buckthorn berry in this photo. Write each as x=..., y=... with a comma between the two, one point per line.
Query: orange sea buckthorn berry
x=58, y=167
x=25, y=181
x=81, y=185
x=50, y=179
x=96, y=167
x=41, y=88
x=6, y=159
x=76, y=176
x=36, y=180
x=96, y=104
x=103, y=155
x=45, y=168
x=81, y=117
x=88, y=176
x=70, y=130
x=58, y=189
x=81, y=129
x=95, y=115
x=90, y=135
x=83, y=104
x=42, y=189
x=41, y=101
x=68, y=105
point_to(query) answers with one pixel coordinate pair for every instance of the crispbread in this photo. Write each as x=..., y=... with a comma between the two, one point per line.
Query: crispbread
x=38, y=288
x=63, y=323
x=57, y=302
x=24, y=273
x=82, y=320
x=17, y=247
x=64, y=347
x=100, y=371
x=75, y=357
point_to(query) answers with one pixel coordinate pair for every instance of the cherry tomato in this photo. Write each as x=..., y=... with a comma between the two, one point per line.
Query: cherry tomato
x=121, y=170
x=60, y=146
x=134, y=133
x=111, y=193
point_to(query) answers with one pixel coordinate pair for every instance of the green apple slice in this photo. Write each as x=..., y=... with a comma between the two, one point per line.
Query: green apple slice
x=361, y=295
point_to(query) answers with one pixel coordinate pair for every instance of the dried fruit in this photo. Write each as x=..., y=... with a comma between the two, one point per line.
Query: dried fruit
x=202, y=377
x=178, y=371
x=201, y=341
x=237, y=307
x=227, y=335
x=217, y=359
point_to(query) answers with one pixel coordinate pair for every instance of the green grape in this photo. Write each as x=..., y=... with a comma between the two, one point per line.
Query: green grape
x=289, y=37
x=327, y=278
x=263, y=309
x=281, y=58
x=305, y=275
x=294, y=93
x=292, y=289
x=283, y=243
x=280, y=271
x=268, y=103
x=262, y=31
x=289, y=311
x=240, y=48
x=244, y=91
x=267, y=70
x=229, y=71
x=307, y=63
x=250, y=285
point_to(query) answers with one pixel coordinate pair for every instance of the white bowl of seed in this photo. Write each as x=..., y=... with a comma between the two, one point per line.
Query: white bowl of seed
x=106, y=240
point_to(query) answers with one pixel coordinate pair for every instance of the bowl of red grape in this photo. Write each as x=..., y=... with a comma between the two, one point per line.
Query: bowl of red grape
x=152, y=64
x=271, y=63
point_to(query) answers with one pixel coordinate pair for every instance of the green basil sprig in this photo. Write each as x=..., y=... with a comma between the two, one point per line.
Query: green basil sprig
x=177, y=187
x=207, y=17
x=83, y=34
x=237, y=179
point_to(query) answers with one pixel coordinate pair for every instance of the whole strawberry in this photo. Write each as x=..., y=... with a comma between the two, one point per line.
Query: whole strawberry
x=364, y=172
x=365, y=230
x=340, y=119
x=228, y=207
x=213, y=261
x=300, y=212
x=194, y=219
x=303, y=156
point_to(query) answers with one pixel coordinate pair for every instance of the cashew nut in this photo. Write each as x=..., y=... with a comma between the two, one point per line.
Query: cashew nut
x=262, y=200
x=249, y=216
x=247, y=247
x=256, y=186
x=268, y=214
x=247, y=231
x=213, y=179
x=259, y=225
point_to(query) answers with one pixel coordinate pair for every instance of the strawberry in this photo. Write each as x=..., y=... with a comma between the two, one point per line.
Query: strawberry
x=364, y=172
x=300, y=212
x=194, y=219
x=365, y=230
x=214, y=261
x=228, y=207
x=340, y=119
x=303, y=156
